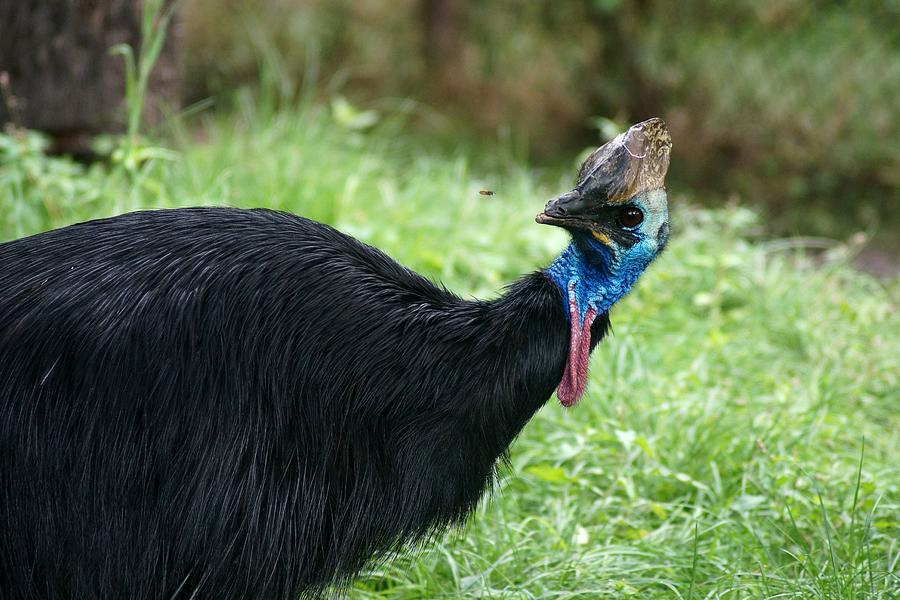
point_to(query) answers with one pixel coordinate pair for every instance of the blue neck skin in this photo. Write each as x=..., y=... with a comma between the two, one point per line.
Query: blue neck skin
x=597, y=275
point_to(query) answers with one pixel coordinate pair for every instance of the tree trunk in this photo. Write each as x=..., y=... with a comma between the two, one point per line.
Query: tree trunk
x=61, y=77
x=444, y=45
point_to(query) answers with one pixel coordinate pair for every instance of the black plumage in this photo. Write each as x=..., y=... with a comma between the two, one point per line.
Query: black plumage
x=222, y=403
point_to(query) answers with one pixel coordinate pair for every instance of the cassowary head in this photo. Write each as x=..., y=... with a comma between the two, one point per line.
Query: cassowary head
x=618, y=207
x=619, y=221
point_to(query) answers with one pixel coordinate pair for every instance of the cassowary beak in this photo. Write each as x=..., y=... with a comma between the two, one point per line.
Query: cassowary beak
x=569, y=210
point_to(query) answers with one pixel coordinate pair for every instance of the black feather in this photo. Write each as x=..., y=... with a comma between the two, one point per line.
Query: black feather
x=220, y=403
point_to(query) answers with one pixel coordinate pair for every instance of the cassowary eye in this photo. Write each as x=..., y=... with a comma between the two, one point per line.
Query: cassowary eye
x=630, y=217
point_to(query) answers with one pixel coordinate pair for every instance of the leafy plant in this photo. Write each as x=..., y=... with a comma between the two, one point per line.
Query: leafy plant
x=133, y=151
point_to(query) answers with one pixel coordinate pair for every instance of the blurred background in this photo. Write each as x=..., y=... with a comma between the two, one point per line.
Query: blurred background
x=788, y=105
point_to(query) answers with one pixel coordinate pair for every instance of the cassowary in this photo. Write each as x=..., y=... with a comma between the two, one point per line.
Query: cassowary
x=222, y=403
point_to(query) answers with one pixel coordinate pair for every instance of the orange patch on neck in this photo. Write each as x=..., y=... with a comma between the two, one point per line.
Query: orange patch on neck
x=602, y=238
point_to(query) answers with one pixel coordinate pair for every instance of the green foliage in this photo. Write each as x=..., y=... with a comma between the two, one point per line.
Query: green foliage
x=738, y=436
x=132, y=152
x=787, y=103
x=37, y=191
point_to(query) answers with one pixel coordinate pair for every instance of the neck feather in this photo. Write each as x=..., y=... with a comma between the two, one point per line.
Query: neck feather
x=591, y=277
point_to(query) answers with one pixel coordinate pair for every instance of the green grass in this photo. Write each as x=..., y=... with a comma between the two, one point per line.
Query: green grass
x=739, y=436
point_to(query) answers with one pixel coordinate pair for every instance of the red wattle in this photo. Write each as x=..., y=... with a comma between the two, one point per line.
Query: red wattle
x=574, y=378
